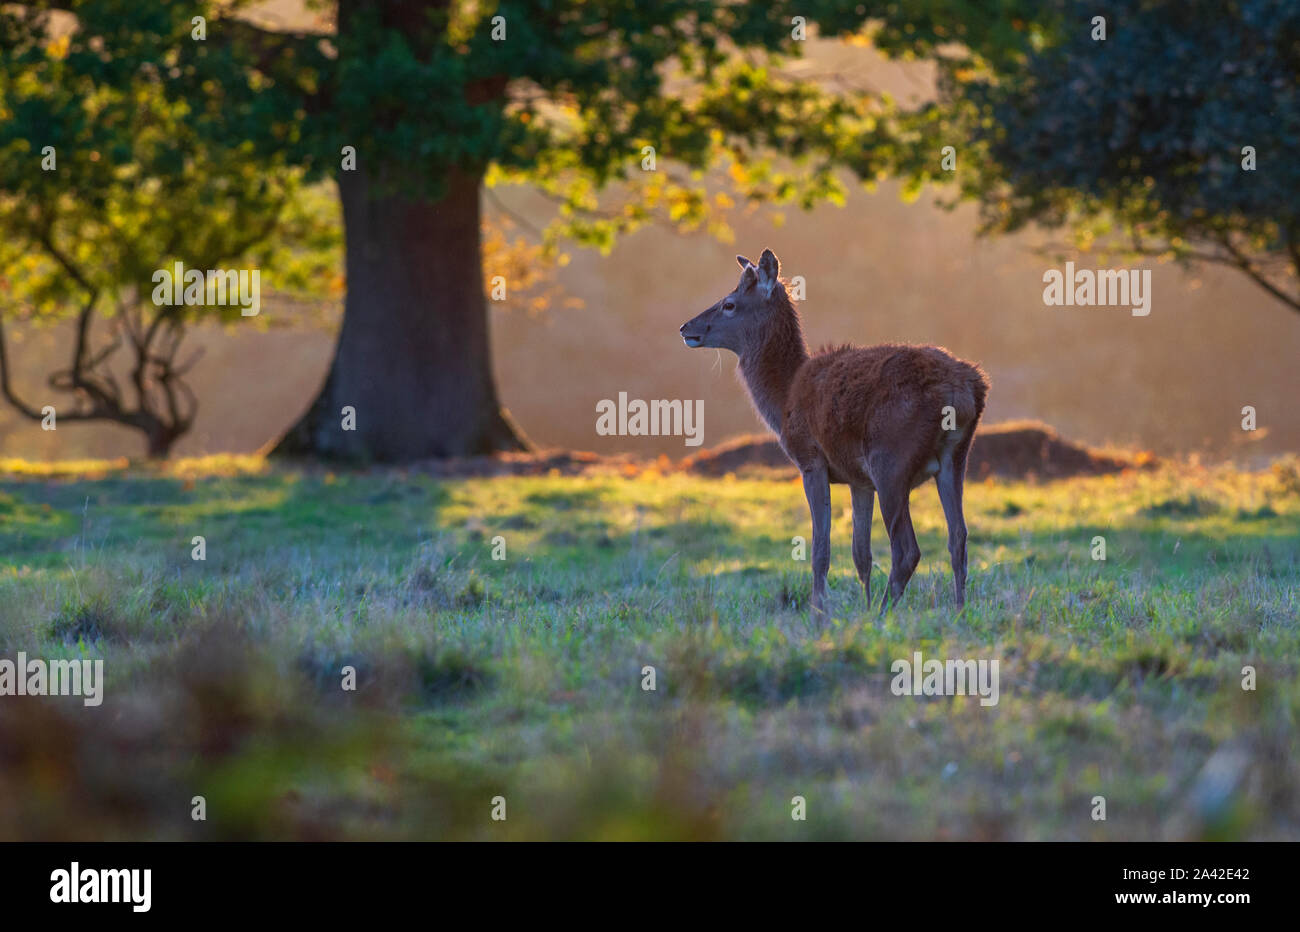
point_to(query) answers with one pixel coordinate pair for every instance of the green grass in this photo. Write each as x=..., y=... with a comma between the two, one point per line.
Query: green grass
x=522, y=677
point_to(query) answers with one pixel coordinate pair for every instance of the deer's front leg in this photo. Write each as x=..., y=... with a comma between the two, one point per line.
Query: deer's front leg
x=817, y=487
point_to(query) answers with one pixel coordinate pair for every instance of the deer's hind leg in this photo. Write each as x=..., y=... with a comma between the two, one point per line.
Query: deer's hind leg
x=903, y=548
x=892, y=474
x=951, y=479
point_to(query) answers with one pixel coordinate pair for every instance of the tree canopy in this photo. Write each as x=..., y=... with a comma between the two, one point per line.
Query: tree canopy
x=103, y=183
x=1167, y=129
x=170, y=120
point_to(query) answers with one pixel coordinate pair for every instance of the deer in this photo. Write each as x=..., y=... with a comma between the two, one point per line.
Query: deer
x=879, y=419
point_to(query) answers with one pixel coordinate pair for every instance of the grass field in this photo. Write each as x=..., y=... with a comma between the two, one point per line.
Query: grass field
x=522, y=678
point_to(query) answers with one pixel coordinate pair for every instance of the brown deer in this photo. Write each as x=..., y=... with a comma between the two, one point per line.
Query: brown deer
x=880, y=419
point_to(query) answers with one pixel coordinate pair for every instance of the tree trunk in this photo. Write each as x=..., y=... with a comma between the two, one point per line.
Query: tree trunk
x=159, y=442
x=413, y=359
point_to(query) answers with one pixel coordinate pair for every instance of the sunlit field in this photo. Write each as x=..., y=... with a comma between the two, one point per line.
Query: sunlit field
x=523, y=677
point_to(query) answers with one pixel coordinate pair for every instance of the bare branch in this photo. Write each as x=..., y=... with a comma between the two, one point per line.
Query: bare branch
x=1244, y=263
x=22, y=407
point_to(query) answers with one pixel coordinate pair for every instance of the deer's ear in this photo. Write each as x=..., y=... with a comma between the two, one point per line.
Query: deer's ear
x=748, y=279
x=768, y=271
x=744, y=263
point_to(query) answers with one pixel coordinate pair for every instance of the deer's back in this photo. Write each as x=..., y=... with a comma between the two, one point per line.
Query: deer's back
x=846, y=402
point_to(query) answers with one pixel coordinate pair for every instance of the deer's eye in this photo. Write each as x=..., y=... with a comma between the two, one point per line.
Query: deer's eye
x=729, y=308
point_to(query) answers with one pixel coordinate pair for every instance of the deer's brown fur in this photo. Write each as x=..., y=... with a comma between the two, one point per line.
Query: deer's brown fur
x=873, y=418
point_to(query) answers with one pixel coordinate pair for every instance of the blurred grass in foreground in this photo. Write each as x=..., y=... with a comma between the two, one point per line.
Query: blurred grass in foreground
x=522, y=678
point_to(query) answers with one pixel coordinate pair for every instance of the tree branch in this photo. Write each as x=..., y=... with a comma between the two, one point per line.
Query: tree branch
x=22, y=407
x=1244, y=263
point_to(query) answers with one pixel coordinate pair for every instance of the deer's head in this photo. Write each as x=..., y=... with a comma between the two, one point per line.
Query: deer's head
x=742, y=318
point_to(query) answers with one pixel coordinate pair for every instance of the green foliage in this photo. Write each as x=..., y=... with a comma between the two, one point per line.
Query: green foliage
x=567, y=102
x=1136, y=142
x=133, y=188
x=105, y=179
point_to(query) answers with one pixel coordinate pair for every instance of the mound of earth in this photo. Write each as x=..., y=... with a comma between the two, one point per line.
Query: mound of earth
x=536, y=463
x=749, y=454
x=1014, y=450
x=1018, y=449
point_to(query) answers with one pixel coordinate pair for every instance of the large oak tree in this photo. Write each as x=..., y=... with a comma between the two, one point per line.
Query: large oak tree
x=414, y=106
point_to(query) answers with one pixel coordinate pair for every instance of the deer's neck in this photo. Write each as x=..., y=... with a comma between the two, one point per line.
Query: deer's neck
x=769, y=368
